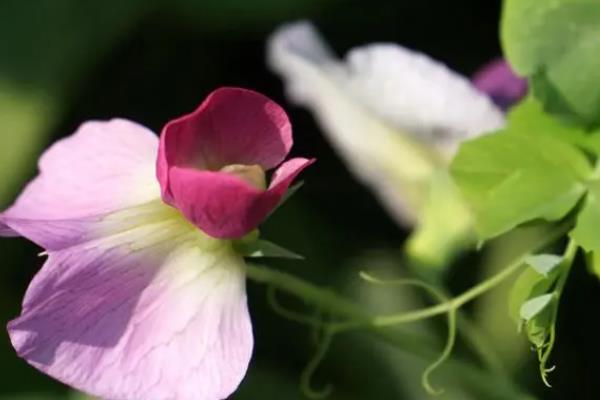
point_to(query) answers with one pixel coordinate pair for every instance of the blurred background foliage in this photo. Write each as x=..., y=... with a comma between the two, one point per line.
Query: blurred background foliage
x=66, y=61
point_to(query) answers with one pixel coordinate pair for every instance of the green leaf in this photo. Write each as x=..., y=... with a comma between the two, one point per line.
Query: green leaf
x=593, y=263
x=538, y=328
x=263, y=248
x=586, y=232
x=531, y=284
x=531, y=302
x=544, y=264
x=510, y=178
x=556, y=43
x=533, y=307
x=529, y=118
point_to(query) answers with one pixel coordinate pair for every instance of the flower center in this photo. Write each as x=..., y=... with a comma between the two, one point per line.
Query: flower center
x=252, y=174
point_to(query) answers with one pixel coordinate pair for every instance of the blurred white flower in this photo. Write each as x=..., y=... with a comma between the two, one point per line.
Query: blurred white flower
x=396, y=117
x=393, y=114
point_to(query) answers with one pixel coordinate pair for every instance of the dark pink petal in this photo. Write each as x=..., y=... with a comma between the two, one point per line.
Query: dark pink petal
x=225, y=206
x=499, y=81
x=231, y=126
x=103, y=167
x=151, y=310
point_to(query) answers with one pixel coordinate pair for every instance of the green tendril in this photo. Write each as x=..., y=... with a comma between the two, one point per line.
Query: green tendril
x=545, y=350
x=321, y=334
x=313, y=365
x=287, y=313
x=445, y=355
x=349, y=315
x=452, y=327
x=544, y=354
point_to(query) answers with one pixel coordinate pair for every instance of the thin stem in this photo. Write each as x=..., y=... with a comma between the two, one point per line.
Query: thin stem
x=329, y=301
x=417, y=345
x=472, y=335
x=441, y=297
x=569, y=257
x=442, y=308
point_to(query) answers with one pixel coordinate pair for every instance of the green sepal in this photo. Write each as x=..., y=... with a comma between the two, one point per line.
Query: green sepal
x=260, y=248
x=288, y=194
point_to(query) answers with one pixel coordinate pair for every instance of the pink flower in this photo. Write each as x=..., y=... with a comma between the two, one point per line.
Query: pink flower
x=134, y=302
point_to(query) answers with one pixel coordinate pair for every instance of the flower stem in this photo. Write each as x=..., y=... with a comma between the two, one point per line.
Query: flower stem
x=357, y=317
x=417, y=345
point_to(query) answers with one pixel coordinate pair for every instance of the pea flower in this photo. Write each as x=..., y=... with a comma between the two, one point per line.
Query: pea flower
x=142, y=295
x=396, y=117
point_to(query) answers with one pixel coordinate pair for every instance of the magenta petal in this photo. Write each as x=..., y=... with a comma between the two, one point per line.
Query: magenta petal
x=225, y=206
x=231, y=126
x=158, y=314
x=103, y=167
x=499, y=81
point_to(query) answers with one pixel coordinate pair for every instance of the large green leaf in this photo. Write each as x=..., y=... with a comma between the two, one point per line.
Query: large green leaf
x=510, y=178
x=529, y=118
x=555, y=42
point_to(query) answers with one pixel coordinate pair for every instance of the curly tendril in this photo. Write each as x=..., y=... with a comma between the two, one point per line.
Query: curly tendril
x=451, y=339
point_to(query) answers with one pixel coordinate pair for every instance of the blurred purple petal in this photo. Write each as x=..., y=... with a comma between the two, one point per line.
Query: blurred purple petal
x=499, y=81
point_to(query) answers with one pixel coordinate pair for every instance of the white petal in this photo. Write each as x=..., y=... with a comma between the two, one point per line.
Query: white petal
x=392, y=163
x=406, y=89
x=420, y=95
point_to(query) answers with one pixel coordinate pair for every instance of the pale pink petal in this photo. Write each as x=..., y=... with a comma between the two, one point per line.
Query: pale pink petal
x=103, y=167
x=287, y=172
x=231, y=126
x=225, y=206
x=154, y=310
